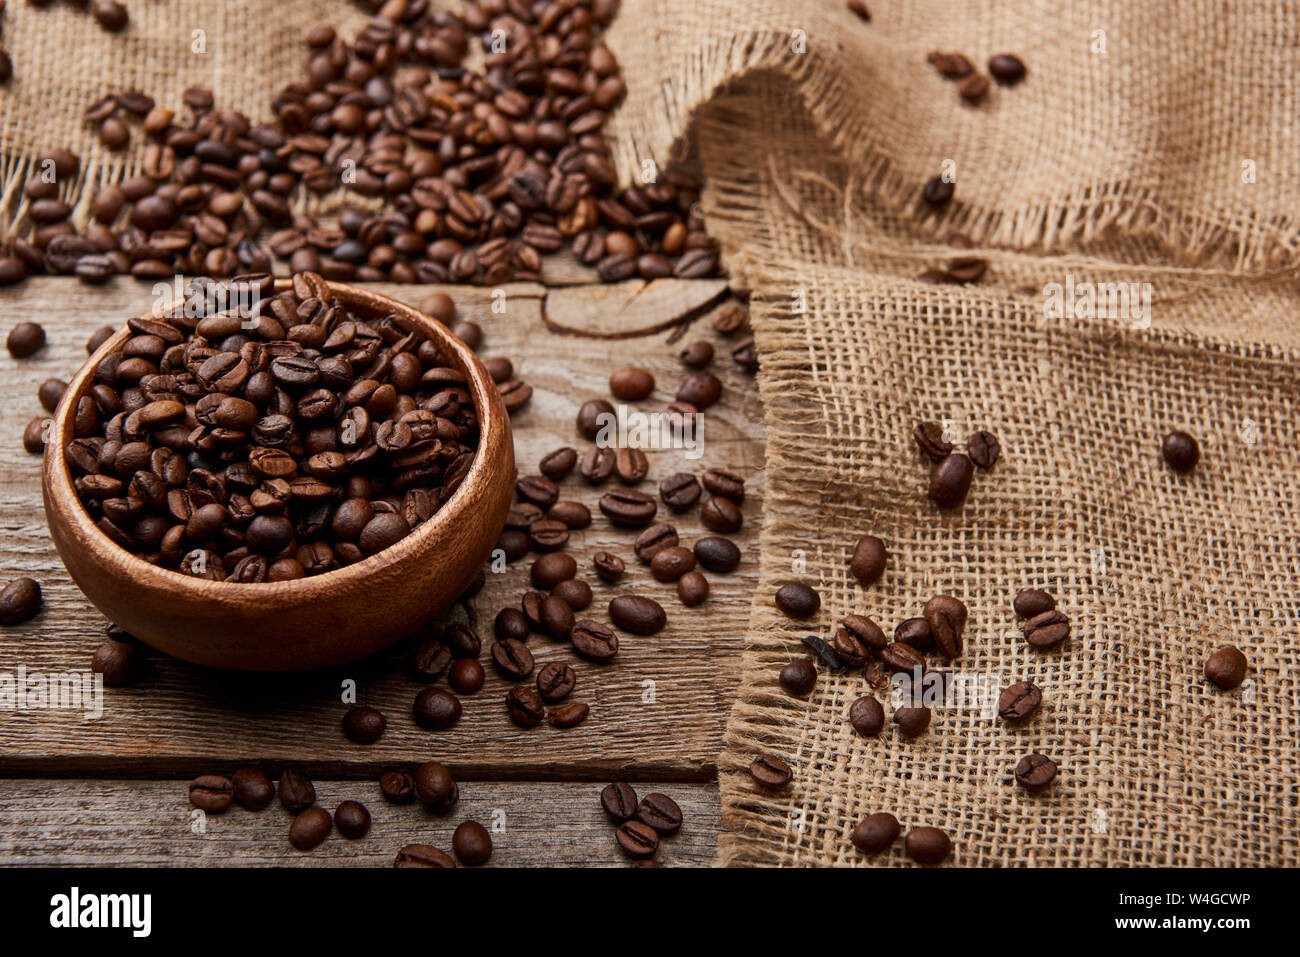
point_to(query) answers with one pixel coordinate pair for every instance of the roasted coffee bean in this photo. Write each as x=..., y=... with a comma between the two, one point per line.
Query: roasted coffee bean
x=1034, y=772
x=628, y=508
x=461, y=641
x=1046, y=630
x=798, y=677
x=637, y=840
x=435, y=709
x=865, y=631
x=574, y=593
x=352, y=819
x=547, y=535
x=927, y=845
x=431, y=659
x=212, y=793
x=911, y=721
x=876, y=832
x=680, y=491
x=568, y=715
x=619, y=802
x=725, y=484
x=556, y=681
x=549, y=570
x=946, y=617
x=598, y=465
x=422, y=855
x=1018, y=701
x=398, y=787
x=525, y=706
x=593, y=640
x=770, y=772
x=915, y=632
x=867, y=716
x=593, y=415
x=937, y=192
x=557, y=617
x=19, y=600
x=717, y=554
x=950, y=481
x=692, y=589
x=697, y=355
x=631, y=465
x=1226, y=667
x=609, y=567
x=868, y=561
x=973, y=88
x=557, y=465
x=983, y=448
x=900, y=657
x=513, y=544
x=512, y=658
x=701, y=389
x=631, y=384
x=34, y=434
x=110, y=15
x=296, y=792
x=466, y=676
x=654, y=540
x=252, y=788
x=25, y=339
x=797, y=600
x=1007, y=68
x=310, y=828
x=433, y=783
x=50, y=392
x=472, y=844
x=952, y=66
x=120, y=662
x=1180, y=449
x=364, y=725
x=721, y=515
x=1032, y=602
x=637, y=614
x=537, y=490
x=660, y=812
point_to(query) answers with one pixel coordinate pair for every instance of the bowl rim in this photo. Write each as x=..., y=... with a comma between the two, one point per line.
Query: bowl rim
x=493, y=429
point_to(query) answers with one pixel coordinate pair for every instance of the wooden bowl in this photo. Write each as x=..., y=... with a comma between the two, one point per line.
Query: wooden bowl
x=309, y=622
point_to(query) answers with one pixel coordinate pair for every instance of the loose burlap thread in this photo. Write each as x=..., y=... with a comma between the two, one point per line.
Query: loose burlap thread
x=1150, y=143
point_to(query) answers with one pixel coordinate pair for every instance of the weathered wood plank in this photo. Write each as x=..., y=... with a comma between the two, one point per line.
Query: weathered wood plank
x=658, y=711
x=151, y=823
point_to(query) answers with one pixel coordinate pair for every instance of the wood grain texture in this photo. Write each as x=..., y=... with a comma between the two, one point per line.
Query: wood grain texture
x=657, y=711
x=151, y=823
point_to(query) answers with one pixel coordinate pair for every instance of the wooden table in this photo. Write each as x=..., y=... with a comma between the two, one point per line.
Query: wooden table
x=113, y=790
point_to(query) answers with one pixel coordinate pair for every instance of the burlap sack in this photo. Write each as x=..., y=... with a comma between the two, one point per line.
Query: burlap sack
x=1151, y=143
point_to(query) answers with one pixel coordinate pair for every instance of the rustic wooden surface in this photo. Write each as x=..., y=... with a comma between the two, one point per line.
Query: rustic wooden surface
x=150, y=823
x=657, y=711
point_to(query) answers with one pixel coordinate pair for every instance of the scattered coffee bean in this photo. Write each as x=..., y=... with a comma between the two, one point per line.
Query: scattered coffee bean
x=557, y=465
x=1046, y=630
x=296, y=792
x=433, y=783
x=915, y=632
x=912, y=721
x=422, y=855
x=717, y=554
x=609, y=567
x=725, y=484
x=1226, y=667
x=568, y=715
x=310, y=828
x=364, y=725
x=525, y=706
x=631, y=465
x=252, y=788
x=826, y=653
x=946, y=617
x=34, y=434
x=631, y=384
x=637, y=840
x=701, y=389
x=1180, y=450
x=435, y=709
x=572, y=515
x=19, y=600
x=721, y=515
x=931, y=441
x=637, y=614
x=660, y=812
x=983, y=448
x=973, y=88
x=876, y=832
x=513, y=659
x=798, y=677
x=50, y=392
x=697, y=355
x=619, y=802
x=1018, y=701
x=868, y=561
x=901, y=657
x=867, y=716
x=431, y=659
x=466, y=676
x=352, y=819
x=597, y=465
x=670, y=564
x=593, y=415
x=951, y=66
x=212, y=793
x=398, y=787
x=680, y=491
x=692, y=589
x=1032, y=602
x=628, y=508
x=1007, y=68
x=859, y=9
x=510, y=624
x=574, y=593
x=1035, y=771
x=797, y=600
x=770, y=772
x=950, y=481
x=937, y=192
x=120, y=662
x=25, y=339
x=549, y=570
x=593, y=640
x=927, y=845
x=556, y=681
x=472, y=844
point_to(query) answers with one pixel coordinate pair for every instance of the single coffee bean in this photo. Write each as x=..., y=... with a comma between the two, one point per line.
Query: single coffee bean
x=19, y=600
x=525, y=706
x=946, y=617
x=725, y=484
x=422, y=855
x=637, y=840
x=950, y=481
x=537, y=490
x=1226, y=667
x=798, y=677
x=557, y=465
x=398, y=787
x=680, y=491
x=556, y=681
x=770, y=772
x=310, y=828
x=461, y=641
x=619, y=802
x=670, y=564
x=866, y=631
x=867, y=716
x=433, y=783
x=472, y=844
x=797, y=600
x=692, y=589
x=631, y=465
x=930, y=440
x=593, y=640
x=631, y=384
x=697, y=355
x=911, y=721
x=1180, y=450
x=430, y=660
x=721, y=515
x=852, y=651
x=513, y=659
x=551, y=569
x=628, y=508
x=637, y=614
x=510, y=624
x=1007, y=68
x=568, y=715
x=717, y=554
x=547, y=535
x=973, y=88
x=50, y=392
x=557, y=617
x=609, y=567
x=1035, y=771
x=876, y=832
x=34, y=434
x=110, y=15
x=927, y=845
x=574, y=593
x=983, y=448
x=364, y=725
x=660, y=812
x=1018, y=701
x=1032, y=602
x=593, y=416
x=900, y=657
x=212, y=793
x=466, y=676
x=352, y=819
x=435, y=709
x=1046, y=630
x=952, y=66
x=571, y=514
x=597, y=465
x=868, y=561
x=252, y=788
x=296, y=792
x=653, y=540
x=120, y=662
x=25, y=339
x=701, y=389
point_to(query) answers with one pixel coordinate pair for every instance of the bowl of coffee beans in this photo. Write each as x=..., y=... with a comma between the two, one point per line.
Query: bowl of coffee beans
x=278, y=474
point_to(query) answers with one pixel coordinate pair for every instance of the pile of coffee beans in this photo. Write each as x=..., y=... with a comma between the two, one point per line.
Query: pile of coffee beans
x=951, y=472
x=302, y=439
x=480, y=174
x=641, y=824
